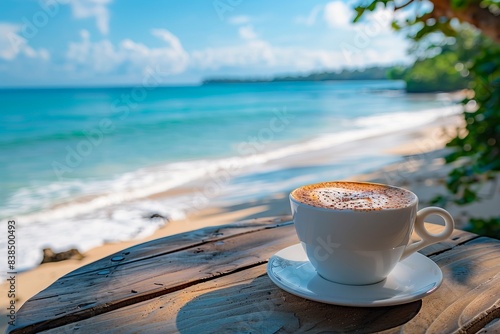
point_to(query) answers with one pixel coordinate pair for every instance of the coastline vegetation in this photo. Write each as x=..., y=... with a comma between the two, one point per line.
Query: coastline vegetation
x=371, y=73
x=456, y=39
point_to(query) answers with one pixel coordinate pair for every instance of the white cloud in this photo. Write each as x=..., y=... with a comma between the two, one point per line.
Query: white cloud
x=262, y=54
x=92, y=8
x=104, y=57
x=101, y=56
x=337, y=14
x=378, y=53
x=310, y=19
x=171, y=59
x=239, y=19
x=380, y=16
x=370, y=44
x=247, y=33
x=12, y=44
x=169, y=38
x=254, y=52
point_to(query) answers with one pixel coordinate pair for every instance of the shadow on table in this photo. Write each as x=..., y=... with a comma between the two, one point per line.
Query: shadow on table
x=261, y=307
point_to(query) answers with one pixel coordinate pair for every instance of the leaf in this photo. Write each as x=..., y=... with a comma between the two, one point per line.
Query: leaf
x=359, y=13
x=488, y=227
x=469, y=196
x=395, y=25
x=458, y=4
x=371, y=7
x=439, y=200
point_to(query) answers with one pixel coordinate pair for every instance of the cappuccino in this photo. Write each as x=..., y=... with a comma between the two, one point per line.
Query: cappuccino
x=356, y=196
x=356, y=232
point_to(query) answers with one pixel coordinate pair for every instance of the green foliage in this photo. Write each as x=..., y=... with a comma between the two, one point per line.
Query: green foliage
x=397, y=73
x=478, y=152
x=489, y=227
x=435, y=74
x=472, y=61
x=443, y=66
x=371, y=73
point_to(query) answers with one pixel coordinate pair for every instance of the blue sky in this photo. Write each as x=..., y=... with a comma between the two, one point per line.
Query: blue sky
x=118, y=42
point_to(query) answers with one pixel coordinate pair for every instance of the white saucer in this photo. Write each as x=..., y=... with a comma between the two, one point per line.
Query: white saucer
x=412, y=279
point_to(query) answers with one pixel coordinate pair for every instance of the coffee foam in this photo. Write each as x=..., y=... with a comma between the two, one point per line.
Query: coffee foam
x=353, y=196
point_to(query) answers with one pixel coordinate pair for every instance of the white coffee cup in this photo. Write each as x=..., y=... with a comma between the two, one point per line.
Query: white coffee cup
x=359, y=246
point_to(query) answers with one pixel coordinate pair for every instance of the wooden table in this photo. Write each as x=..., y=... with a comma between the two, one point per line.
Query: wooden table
x=214, y=280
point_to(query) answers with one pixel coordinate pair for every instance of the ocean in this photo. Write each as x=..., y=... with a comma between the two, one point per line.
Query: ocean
x=80, y=167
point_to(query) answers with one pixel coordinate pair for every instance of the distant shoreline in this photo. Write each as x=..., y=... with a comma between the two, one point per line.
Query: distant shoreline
x=371, y=73
x=258, y=81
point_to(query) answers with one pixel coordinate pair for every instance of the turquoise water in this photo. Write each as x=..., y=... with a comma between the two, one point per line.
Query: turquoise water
x=110, y=148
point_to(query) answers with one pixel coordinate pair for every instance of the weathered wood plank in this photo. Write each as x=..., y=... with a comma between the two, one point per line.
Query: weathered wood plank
x=177, y=242
x=149, y=273
x=244, y=302
x=247, y=301
x=468, y=299
x=77, y=297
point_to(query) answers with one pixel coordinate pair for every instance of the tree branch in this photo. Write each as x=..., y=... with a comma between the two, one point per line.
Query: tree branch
x=474, y=14
x=403, y=6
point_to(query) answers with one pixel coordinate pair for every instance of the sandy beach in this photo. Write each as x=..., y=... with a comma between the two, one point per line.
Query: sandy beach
x=420, y=169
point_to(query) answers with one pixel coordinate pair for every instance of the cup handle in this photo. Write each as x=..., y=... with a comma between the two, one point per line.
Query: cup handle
x=427, y=238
